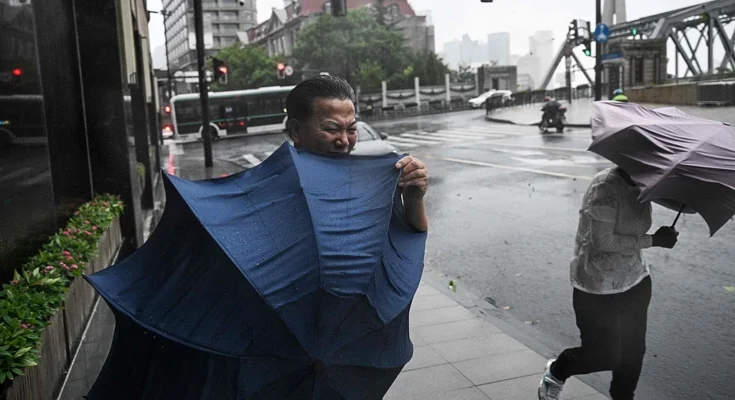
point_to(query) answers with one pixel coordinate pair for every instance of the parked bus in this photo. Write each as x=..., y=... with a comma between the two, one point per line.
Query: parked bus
x=230, y=112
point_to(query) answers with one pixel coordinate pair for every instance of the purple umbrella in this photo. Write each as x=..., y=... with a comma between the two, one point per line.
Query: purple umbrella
x=675, y=158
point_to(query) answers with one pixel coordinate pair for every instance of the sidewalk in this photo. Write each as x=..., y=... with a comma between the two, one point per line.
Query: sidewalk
x=458, y=355
x=579, y=113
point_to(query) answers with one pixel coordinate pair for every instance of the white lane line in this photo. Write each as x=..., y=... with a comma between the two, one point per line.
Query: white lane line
x=400, y=139
x=399, y=144
x=15, y=174
x=251, y=159
x=415, y=136
x=530, y=146
x=453, y=136
x=508, y=167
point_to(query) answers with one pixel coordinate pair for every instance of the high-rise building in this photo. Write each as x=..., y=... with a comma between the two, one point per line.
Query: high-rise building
x=541, y=45
x=498, y=47
x=471, y=51
x=514, y=59
x=614, y=12
x=225, y=23
x=530, y=65
x=452, y=54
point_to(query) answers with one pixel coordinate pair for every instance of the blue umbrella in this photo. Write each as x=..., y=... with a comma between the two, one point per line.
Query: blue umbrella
x=292, y=280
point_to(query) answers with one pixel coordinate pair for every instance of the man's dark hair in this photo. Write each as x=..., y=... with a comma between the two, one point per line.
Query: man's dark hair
x=300, y=102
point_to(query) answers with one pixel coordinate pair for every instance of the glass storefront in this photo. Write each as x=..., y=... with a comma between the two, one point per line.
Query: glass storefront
x=27, y=209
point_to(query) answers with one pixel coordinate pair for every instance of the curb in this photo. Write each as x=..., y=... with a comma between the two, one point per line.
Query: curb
x=509, y=122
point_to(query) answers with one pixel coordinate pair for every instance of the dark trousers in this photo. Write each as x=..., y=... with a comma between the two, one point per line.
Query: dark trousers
x=613, y=332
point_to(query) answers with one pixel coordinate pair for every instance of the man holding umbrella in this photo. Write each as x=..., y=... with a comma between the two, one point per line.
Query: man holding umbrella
x=321, y=120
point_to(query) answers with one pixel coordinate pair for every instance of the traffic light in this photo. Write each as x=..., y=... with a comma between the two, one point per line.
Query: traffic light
x=587, y=41
x=573, y=31
x=220, y=70
x=17, y=72
x=339, y=8
x=281, y=67
x=634, y=31
x=167, y=109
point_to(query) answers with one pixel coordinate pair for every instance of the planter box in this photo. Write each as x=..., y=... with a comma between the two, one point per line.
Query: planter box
x=62, y=337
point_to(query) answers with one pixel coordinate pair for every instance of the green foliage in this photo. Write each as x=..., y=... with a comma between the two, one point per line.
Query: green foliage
x=361, y=49
x=463, y=75
x=248, y=67
x=38, y=289
x=342, y=46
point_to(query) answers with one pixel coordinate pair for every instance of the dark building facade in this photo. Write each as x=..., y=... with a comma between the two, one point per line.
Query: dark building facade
x=77, y=117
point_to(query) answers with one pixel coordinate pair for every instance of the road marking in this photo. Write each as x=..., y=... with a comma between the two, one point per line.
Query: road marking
x=465, y=135
x=508, y=167
x=251, y=159
x=415, y=136
x=530, y=146
x=268, y=153
x=399, y=144
x=399, y=139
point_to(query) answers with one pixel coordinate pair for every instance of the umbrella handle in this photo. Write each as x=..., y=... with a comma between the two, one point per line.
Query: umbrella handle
x=678, y=215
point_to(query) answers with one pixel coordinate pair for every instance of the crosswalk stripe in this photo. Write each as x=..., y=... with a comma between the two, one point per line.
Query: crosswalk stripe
x=251, y=159
x=415, y=136
x=401, y=139
x=469, y=135
x=268, y=153
x=401, y=145
x=15, y=174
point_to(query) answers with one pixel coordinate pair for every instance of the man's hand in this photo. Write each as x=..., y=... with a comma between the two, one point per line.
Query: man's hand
x=665, y=237
x=414, y=178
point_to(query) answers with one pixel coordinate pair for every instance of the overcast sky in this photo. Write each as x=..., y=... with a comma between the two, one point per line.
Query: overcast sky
x=453, y=18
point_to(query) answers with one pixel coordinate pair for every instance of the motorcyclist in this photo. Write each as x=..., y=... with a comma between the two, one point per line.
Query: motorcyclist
x=618, y=95
x=550, y=109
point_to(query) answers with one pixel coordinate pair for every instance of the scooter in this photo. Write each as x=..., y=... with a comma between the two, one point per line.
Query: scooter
x=558, y=121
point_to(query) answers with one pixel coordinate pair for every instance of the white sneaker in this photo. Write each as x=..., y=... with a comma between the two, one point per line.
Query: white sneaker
x=550, y=387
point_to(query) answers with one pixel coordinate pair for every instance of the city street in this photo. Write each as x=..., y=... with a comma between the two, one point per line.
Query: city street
x=503, y=207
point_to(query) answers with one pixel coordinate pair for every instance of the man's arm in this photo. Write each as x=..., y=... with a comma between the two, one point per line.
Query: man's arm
x=414, y=183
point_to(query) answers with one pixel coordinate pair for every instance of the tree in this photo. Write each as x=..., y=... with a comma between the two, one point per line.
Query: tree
x=343, y=46
x=428, y=66
x=463, y=75
x=247, y=68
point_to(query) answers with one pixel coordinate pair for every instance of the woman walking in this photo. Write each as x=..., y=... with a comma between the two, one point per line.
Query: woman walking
x=612, y=287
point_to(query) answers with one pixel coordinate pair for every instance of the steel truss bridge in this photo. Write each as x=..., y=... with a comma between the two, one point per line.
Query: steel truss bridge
x=709, y=22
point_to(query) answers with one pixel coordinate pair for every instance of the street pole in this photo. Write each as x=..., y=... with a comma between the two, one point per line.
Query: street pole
x=569, y=78
x=203, y=89
x=598, y=53
x=166, y=14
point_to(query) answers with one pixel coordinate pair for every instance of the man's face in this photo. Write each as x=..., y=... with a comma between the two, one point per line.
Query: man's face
x=332, y=128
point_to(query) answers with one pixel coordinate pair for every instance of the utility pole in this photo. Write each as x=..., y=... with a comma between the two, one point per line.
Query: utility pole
x=598, y=53
x=203, y=89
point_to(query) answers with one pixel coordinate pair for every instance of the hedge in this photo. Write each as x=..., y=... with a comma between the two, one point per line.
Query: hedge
x=38, y=289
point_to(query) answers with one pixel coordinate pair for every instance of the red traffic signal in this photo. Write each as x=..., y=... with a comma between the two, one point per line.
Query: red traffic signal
x=17, y=72
x=167, y=108
x=281, y=66
x=223, y=69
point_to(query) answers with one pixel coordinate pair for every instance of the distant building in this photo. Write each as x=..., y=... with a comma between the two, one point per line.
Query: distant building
x=497, y=77
x=524, y=83
x=452, y=54
x=514, y=59
x=530, y=65
x=278, y=33
x=225, y=23
x=472, y=51
x=541, y=45
x=498, y=47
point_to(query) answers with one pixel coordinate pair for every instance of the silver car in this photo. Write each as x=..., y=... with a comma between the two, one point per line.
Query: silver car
x=370, y=142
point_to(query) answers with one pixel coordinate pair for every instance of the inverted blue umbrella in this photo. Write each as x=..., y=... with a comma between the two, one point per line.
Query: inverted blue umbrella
x=292, y=280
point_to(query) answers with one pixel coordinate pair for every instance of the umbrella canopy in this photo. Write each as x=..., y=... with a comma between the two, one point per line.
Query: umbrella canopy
x=675, y=158
x=290, y=280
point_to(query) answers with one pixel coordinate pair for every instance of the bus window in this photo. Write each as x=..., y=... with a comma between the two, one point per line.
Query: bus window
x=272, y=106
x=255, y=108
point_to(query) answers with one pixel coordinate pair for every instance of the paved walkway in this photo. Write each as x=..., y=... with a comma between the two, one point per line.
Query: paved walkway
x=580, y=111
x=459, y=355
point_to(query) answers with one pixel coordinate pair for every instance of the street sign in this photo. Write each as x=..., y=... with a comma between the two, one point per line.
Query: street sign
x=612, y=58
x=288, y=71
x=602, y=33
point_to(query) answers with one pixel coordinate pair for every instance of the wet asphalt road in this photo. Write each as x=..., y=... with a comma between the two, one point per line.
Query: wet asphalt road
x=503, y=206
